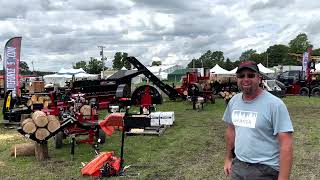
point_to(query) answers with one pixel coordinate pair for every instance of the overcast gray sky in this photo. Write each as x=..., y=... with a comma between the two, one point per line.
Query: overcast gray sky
x=58, y=33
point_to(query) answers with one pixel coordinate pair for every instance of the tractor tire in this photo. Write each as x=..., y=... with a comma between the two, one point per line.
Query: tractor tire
x=304, y=91
x=315, y=91
x=102, y=137
x=58, y=140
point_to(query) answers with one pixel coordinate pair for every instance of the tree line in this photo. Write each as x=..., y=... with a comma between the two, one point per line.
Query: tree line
x=274, y=55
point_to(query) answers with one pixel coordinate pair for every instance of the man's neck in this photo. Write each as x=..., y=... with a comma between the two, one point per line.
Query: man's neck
x=250, y=97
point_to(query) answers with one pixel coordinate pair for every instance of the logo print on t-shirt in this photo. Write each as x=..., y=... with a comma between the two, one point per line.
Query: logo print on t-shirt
x=244, y=118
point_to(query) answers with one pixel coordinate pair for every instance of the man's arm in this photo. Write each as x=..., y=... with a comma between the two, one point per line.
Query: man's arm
x=230, y=134
x=286, y=154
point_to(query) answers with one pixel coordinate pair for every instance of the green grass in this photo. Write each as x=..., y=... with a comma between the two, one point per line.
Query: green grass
x=191, y=149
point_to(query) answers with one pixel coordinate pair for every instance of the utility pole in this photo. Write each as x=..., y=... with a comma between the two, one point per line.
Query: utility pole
x=32, y=67
x=193, y=61
x=102, y=59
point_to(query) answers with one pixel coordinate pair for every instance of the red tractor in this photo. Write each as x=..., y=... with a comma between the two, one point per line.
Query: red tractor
x=194, y=86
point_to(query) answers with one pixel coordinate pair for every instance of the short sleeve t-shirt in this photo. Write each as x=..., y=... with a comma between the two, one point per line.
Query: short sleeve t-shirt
x=257, y=124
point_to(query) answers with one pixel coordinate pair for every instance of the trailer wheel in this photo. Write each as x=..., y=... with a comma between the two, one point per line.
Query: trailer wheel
x=315, y=91
x=304, y=91
x=58, y=138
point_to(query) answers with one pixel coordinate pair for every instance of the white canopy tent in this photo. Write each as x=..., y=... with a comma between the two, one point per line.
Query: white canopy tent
x=218, y=70
x=65, y=75
x=70, y=71
x=261, y=69
x=233, y=71
x=264, y=69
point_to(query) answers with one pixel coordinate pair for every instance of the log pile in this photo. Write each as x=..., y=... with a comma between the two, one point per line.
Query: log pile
x=37, y=99
x=227, y=95
x=40, y=125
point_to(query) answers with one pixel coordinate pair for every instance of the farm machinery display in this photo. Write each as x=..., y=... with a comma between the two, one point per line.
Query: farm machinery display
x=296, y=83
x=102, y=92
x=197, y=89
x=306, y=81
x=106, y=163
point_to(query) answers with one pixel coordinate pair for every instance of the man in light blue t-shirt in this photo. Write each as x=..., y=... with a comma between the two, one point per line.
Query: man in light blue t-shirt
x=259, y=130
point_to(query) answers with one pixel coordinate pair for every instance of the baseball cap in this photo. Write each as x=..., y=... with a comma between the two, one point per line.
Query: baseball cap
x=248, y=65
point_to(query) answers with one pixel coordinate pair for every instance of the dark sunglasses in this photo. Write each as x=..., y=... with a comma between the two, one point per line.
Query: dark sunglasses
x=249, y=75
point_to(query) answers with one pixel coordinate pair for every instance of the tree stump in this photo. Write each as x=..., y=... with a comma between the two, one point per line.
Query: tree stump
x=41, y=151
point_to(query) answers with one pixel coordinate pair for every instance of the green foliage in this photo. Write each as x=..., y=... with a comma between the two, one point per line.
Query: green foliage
x=299, y=44
x=278, y=55
x=24, y=68
x=316, y=52
x=120, y=60
x=195, y=63
x=246, y=55
x=156, y=63
x=208, y=60
x=258, y=58
x=125, y=62
x=228, y=65
x=81, y=64
x=94, y=66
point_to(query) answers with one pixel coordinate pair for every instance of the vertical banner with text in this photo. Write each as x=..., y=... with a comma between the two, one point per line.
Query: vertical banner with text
x=308, y=77
x=11, y=65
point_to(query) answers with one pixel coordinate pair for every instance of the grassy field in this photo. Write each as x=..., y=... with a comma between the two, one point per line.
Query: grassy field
x=191, y=149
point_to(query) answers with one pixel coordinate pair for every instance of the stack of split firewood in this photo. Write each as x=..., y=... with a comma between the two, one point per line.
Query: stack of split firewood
x=35, y=100
x=40, y=125
x=227, y=95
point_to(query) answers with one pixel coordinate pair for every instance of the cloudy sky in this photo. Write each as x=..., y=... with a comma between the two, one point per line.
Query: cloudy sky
x=58, y=33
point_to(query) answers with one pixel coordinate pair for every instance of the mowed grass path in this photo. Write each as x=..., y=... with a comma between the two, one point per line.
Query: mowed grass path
x=191, y=149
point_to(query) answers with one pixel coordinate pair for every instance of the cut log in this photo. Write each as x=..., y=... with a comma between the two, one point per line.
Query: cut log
x=41, y=151
x=28, y=126
x=29, y=102
x=40, y=99
x=45, y=104
x=53, y=123
x=24, y=149
x=46, y=98
x=40, y=118
x=34, y=98
x=26, y=121
x=85, y=110
x=42, y=133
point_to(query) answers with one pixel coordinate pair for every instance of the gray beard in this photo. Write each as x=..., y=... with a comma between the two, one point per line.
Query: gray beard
x=248, y=91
